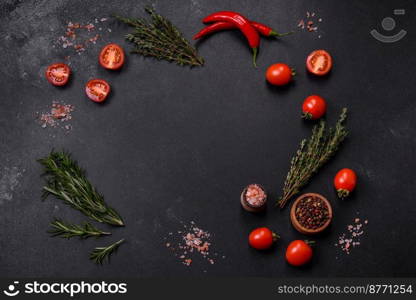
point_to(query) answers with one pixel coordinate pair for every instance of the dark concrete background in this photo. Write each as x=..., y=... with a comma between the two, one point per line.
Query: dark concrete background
x=177, y=144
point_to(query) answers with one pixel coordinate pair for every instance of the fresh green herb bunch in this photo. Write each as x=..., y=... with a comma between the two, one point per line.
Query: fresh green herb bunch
x=67, y=181
x=99, y=254
x=67, y=230
x=312, y=155
x=160, y=39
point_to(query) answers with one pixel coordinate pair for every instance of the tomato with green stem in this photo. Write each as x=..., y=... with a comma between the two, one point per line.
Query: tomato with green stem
x=299, y=253
x=279, y=74
x=314, y=107
x=345, y=181
x=262, y=238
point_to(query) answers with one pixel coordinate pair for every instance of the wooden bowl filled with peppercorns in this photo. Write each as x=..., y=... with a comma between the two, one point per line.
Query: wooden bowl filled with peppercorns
x=311, y=213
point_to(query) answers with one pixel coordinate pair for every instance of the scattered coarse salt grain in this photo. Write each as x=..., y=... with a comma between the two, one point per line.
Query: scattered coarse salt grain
x=58, y=113
x=351, y=238
x=190, y=242
x=77, y=35
x=310, y=22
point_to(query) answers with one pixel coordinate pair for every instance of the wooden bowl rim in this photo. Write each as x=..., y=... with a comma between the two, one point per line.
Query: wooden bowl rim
x=303, y=229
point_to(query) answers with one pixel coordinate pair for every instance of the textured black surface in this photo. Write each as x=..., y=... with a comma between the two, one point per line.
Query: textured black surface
x=177, y=144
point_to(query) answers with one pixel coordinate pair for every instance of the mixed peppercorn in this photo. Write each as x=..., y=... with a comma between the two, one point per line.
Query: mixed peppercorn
x=312, y=212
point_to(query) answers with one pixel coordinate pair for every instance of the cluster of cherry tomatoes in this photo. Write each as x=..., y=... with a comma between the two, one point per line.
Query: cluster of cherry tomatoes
x=319, y=63
x=298, y=252
x=111, y=57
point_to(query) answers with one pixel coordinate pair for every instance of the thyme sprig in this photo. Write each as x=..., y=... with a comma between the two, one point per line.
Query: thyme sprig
x=67, y=181
x=67, y=230
x=160, y=39
x=312, y=155
x=100, y=254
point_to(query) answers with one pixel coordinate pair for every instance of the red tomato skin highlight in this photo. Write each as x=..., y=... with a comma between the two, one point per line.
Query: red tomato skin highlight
x=314, y=107
x=261, y=238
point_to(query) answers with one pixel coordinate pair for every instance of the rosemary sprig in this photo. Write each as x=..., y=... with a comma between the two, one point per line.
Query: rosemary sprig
x=67, y=230
x=99, y=254
x=67, y=181
x=160, y=39
x=313, y=154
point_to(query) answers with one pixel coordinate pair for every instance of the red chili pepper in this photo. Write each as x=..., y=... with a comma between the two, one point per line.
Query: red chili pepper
x=242, y=23
x=219, y=26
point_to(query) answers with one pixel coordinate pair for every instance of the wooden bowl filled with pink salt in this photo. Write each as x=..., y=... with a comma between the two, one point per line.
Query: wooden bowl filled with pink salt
x=253, y=198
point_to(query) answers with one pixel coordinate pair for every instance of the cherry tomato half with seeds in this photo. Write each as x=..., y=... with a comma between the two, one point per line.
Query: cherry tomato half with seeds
x=262, y=238
x=97, y=90
x=279, y=74
x=111, y=57
x=345, y=181
x=58, y=74
x=319, y=62
x=313, y=107
x=298, y=253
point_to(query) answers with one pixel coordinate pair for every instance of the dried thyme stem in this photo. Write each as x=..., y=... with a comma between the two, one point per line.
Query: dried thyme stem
x=67, y=181
x=160, y=39
x=311, y=155
x=67, y=230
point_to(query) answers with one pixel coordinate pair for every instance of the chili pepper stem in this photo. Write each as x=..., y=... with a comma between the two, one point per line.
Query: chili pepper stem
x=254, y=56
x=277, y=34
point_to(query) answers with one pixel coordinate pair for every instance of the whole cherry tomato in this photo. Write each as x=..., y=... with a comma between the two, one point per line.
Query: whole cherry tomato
x=319, y=62
x=97, y=90
x=279, y=74
x=298, y=253
x=313, y=107
x=262, y=238
x=58, y=74
x=111, y=57
x=345, y=181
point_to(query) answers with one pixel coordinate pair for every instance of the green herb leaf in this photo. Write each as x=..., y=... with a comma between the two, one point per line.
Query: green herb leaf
x=67, y=181
x=160, y=39
x=67, y=230
x=100, y=254
x=312, y=155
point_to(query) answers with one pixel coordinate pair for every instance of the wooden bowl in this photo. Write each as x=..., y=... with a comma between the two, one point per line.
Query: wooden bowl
x=247, y=206
x=303, y=229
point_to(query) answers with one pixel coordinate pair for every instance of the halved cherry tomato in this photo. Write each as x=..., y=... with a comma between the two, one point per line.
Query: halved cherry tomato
x=58, y=74
x=345, y=181
x=298, y=253
x=262, y=238
x=319, y=62
x=279, y=74
x=313, y=107
x=112, y=57
x=97, y=90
